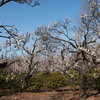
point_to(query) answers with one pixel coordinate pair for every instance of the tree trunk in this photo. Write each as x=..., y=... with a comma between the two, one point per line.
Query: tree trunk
x=83, y=94
x=24, y=86
x=25, y=83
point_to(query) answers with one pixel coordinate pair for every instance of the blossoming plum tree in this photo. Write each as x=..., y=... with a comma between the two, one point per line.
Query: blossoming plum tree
x=83, y=46
x=30, y=48
x=15, y=41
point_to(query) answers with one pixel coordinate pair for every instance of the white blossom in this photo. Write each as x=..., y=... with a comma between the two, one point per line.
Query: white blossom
x=12, y=77
x=50, y=26
x=7, y=79
x=71, y=75
x=55, y=23
x=95, y=75
x=5, y=31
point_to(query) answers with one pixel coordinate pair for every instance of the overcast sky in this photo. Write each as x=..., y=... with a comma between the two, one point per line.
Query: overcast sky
x=28, y=18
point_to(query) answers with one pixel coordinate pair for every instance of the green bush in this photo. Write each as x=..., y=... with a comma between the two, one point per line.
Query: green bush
x=51, y=81
x=11, y=82
x=75, y=78
x=54, y=81
x=97, y=83
x=93, y=81
x=34, y=83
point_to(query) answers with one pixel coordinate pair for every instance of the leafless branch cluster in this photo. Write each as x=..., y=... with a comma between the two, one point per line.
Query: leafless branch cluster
x=29, y=2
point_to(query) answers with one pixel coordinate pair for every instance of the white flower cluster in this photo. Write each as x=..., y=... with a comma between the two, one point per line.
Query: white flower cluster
x=85, y=15
x=50, y=26
x=55, y=24
x=12, y=35
x=7, y=79
x=72, y=75
x=82, y=15
x=12, y=77
x=67, y=19
x=87, y=51
x=95, y=75
x=60, y=23
x=93, y=6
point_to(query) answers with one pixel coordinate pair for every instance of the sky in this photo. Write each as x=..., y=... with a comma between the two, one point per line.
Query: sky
x=28, y=18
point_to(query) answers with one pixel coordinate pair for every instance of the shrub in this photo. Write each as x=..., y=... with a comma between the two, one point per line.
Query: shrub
x=93, y=79
x=12, y=82
x=51, y=81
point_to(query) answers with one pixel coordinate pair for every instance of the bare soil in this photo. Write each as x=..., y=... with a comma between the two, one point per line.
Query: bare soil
x=60, y=94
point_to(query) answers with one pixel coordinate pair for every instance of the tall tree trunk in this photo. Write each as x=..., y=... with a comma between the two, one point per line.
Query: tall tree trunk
x=24, y=86
x=83, y=94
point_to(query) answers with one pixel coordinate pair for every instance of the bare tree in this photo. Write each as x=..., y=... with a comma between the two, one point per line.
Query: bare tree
x=84, y=44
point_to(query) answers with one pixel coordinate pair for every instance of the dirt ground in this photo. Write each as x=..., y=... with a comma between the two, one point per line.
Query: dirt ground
x=54, y=95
